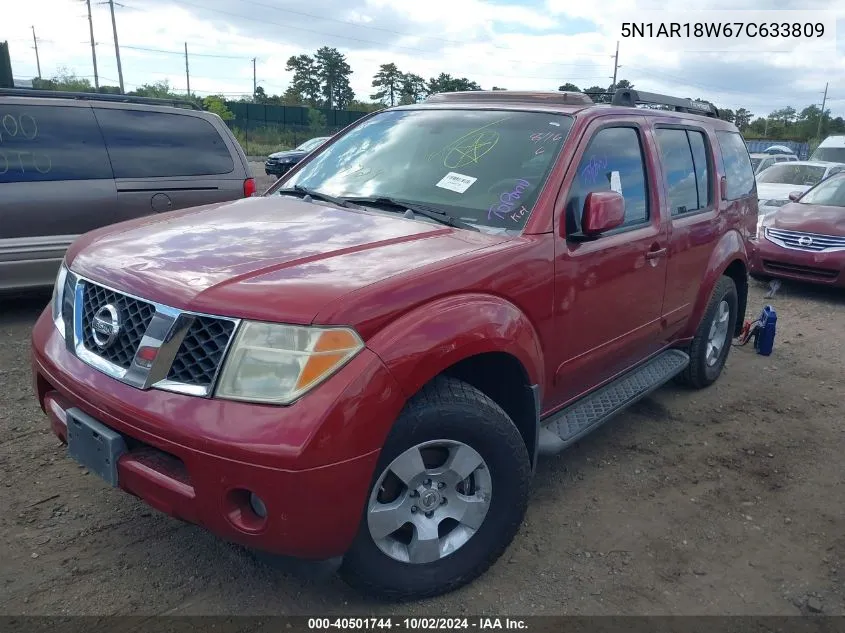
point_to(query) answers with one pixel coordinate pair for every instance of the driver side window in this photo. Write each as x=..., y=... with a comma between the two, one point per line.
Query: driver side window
x=613, y=161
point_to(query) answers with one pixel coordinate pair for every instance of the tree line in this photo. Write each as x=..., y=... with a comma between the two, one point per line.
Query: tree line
x=322, y=80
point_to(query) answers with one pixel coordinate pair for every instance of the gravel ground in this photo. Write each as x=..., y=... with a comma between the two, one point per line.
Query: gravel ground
x=725, y=501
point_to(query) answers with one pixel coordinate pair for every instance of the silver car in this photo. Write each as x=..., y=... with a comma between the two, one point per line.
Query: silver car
x=74, y=162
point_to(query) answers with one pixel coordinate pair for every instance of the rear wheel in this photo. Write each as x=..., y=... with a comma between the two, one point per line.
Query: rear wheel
x=712, y=342
x=449, y=494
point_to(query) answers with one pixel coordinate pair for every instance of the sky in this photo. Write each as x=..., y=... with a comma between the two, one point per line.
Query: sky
x=515, y=44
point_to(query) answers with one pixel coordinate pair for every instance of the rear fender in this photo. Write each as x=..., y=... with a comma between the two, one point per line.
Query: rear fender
x=729, y=249
x=431, y=338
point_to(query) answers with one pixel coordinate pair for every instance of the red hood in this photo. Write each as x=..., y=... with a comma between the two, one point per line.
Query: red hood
x=274, y=259
x=810, y=218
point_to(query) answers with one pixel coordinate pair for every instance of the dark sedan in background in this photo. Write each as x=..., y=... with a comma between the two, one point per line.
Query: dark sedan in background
x=805, y=239
x=279, y=163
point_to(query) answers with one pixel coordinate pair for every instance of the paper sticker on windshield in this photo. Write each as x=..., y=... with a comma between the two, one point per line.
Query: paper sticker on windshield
x=615, y=182
x=454, y=181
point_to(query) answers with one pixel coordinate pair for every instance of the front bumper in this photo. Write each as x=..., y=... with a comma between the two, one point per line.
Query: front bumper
x=771, y=260
x=198, y=459
x=277, y=169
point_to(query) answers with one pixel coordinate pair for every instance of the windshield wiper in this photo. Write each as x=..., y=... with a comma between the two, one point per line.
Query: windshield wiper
x=317, y=195
x=433, y=213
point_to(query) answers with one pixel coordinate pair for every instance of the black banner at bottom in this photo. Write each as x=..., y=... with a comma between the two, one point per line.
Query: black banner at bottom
x=538, y=624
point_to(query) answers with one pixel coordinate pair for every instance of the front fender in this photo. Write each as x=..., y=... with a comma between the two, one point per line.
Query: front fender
x=424, y=342
x=730, y=248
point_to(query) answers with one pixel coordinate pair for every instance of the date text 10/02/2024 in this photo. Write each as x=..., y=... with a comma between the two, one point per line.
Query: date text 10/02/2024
x=414, y=623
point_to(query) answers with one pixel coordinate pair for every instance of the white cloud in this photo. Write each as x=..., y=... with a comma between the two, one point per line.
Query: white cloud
x=528, y=44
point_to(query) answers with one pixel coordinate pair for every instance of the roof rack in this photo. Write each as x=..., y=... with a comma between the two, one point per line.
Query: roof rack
x=96, y=96
x=631, y=98
x=498, y=96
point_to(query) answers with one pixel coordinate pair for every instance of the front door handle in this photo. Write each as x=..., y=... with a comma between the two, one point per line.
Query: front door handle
x=655, y=254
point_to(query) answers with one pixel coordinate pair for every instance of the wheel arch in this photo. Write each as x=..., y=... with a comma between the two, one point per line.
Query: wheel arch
x=727, y=259
x=489, y=343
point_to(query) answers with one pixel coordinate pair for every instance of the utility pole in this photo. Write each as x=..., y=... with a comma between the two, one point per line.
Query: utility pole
x=187, y=72
x=37, y=60
x=821, y=116
x=93, y=47
x=116, y=47
x=254, y=81
x=615, y=64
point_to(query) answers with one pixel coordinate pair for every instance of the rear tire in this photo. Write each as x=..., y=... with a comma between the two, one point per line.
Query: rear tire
x=447, y=418
x=712, y=342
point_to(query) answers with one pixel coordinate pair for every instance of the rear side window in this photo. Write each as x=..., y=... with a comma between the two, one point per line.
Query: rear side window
x=613, y=161
x=48, y=143
x=685, y=163
x=738, y=170
x=144, y=144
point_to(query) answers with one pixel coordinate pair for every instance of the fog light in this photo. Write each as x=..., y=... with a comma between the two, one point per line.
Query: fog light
x=257, y=505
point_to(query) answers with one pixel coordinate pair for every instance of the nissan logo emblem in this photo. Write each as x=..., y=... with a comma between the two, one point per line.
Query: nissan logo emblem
x=805, y=241
x=105, y=326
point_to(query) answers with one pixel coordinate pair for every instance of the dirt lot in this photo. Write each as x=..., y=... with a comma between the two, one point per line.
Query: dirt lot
x=727, y=501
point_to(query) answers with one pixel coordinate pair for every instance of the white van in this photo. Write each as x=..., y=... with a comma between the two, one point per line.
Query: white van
x=832, y=149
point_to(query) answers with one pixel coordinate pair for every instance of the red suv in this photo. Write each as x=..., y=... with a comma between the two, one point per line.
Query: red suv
x=364, y=364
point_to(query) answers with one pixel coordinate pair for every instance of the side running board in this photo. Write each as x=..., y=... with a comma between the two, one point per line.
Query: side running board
x=565, y=427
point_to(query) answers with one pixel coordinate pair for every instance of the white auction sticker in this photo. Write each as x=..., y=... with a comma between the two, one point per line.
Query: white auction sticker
x=615, y=182
x=454, y=181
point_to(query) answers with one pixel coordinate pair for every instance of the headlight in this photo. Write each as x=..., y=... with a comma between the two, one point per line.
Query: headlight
x=276, y=364
x=58, y=299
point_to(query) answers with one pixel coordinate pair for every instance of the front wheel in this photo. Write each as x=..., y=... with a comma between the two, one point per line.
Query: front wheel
x=449, y=494
x=712, y=342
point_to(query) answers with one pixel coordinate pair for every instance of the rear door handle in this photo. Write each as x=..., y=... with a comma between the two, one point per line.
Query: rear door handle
x=655, y=254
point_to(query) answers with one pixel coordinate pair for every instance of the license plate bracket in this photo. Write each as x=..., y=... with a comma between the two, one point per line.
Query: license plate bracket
x=94, y=445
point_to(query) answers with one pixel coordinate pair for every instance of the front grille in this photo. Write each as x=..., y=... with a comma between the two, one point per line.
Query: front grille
x=799, y=240
x=135, y=316
x=201, y=351
x=67, y=300
x=202, y=340
x=795, y=269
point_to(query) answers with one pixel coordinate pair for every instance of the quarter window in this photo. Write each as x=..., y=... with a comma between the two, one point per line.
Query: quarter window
x=144, y=144
x=739, y=176
x=48, y=143
x=613, y=161
x=684, y=156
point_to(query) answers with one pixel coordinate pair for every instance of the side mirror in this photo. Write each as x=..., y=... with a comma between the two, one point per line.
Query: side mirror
x=795, y=195
x=603, y=211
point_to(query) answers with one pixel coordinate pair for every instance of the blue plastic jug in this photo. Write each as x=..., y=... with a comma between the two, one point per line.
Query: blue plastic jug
x=764, y=342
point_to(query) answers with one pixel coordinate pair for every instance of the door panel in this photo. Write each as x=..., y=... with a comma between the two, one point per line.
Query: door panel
x=609, y=291
x=690, y=194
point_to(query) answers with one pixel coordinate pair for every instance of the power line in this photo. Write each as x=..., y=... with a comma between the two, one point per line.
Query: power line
x=346, y=37
x=180, y=53
x=402, y=33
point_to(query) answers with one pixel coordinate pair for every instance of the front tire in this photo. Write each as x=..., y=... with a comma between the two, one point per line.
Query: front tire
x=449, y=494
x=713, y=339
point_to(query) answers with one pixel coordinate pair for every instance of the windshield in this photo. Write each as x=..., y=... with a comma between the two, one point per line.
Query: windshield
x=790, y=174
x=831, y=192
x=829, y=154
x=314, y=143
x=755, y=163
x=484, y=167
